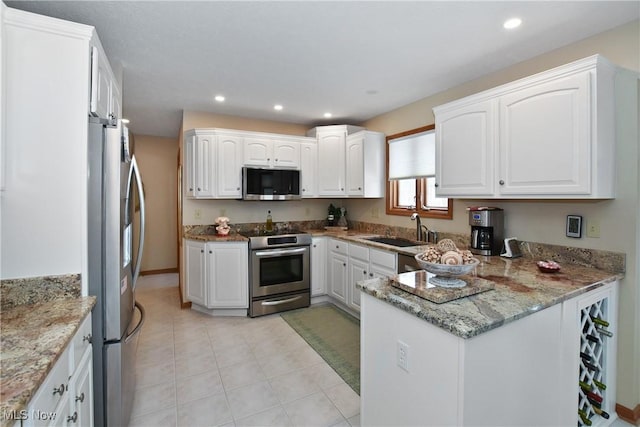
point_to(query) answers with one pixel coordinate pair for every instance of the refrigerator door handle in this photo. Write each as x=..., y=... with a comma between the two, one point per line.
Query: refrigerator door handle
x=136, y=172
x=139, y=325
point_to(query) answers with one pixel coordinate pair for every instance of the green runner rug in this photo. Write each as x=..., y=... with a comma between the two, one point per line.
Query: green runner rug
x=334, y=334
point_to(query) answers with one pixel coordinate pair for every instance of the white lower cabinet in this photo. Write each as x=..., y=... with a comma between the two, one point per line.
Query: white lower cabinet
x=65, y=398
x=318, y=266
x=217, y=274
x=494, y=378
x=337, y=268
x=367, y=263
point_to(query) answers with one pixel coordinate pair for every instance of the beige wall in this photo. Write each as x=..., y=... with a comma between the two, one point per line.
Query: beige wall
x=544, y=221
x=158, y=159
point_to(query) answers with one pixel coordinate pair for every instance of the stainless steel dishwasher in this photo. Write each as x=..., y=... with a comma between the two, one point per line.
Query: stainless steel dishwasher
x=407, y=263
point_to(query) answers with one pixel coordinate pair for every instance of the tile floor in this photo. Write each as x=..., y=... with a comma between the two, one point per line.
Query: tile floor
x=198, y=370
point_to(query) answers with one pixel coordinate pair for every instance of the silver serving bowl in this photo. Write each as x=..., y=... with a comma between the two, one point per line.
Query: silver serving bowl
x=446, y=273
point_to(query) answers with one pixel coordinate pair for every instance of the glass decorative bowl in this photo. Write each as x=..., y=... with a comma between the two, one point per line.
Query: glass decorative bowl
x=446, y=275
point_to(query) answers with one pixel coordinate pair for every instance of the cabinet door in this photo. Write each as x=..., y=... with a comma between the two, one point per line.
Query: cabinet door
x=545, y=138
x=465, y=150
x=318, y=266
x=229, y=166
x=331, y=164
x=227, y=275
x=100, y=84
x=257, y=152
x=286, y=154
x=338, y=277
x=358, y=271
x=195, y=272
x=204, y=165
x=115, y=103
x=355, y=165
x=189, y=166
x=82, y=393
x=308, y=169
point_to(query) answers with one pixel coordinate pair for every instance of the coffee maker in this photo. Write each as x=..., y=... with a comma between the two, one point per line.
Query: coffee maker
x=487, y=230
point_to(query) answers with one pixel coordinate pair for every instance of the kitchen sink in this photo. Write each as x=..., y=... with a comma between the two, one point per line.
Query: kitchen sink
x=394, y=241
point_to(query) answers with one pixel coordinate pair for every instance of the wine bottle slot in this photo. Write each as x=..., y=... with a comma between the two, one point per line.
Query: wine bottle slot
x=600, y=321
x=590, y=366
x=592, y=338
x=594, y=396
x=594, y=403
x=600, y=412
x=584, y=418
x=585, y=356
x=604, y=332
x=601, y=386
x=585, y=386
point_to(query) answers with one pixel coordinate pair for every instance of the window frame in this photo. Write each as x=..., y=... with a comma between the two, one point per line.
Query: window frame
x=391, y=196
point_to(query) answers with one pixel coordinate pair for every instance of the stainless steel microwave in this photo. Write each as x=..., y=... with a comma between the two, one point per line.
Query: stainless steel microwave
x=270, y=184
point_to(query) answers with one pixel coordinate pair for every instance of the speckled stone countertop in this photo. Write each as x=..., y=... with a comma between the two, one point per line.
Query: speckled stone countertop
x=207, y=233
x=520, y=290
x=33, y=334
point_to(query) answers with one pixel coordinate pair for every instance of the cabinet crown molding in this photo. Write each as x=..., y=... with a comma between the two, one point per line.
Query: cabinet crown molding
x=246, y=133
x=20, y=18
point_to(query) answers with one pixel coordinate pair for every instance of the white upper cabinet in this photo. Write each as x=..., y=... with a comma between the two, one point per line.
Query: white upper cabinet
x=229, y=166
x=365, y=164
x=309, y=169
x=550, y=136
x=204, y=161
x=271, y=152
x=331, y=163
x=105, y=98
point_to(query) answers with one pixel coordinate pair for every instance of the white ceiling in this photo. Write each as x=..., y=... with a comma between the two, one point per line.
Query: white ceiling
x=355, y=59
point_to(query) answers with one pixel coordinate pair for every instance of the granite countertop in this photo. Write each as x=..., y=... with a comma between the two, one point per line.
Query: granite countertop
x=33, y=335
x=208, y=233
x=520, y=289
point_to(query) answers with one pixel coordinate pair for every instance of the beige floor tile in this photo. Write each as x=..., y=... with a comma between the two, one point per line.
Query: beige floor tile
x=324, y=375
x=154, y=398
x=150, y=355
x=277, y=364
x=251, y=399
x=345, y=399
x=227, y=356
x=305, y=357
x=152, y=374
x=198, y=386
x=314, y=410
x=293, y=386
x=209, y=411
x=354, y=421
x=241, y=374
x=274, y=417
x=192, y=348
x=163, y=418
x=189, y=366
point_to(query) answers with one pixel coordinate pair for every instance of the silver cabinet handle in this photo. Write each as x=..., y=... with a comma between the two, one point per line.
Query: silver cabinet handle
x=87, y=338
x=73, y=418
x=344, y=264
x=199, y=189
x=501, y=182
x=80, y=398
x=370, y=274
x=364, y=272
x=59, y=390
x=279, y=252
x=436, y=184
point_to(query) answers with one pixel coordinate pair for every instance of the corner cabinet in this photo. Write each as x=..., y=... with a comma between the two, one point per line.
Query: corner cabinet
x=551, y=135
x=217, y=275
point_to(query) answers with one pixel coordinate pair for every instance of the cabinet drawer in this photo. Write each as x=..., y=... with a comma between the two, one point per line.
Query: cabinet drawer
x=81, y=341
x=359, y=252
x=384, y=259
x=54, y=387
x=339, y=246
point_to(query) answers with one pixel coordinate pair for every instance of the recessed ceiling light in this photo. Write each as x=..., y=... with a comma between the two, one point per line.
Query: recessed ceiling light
x=512, y=23
x=277, y=107
x=125, y=121
x=219, y=98
x=327, y=115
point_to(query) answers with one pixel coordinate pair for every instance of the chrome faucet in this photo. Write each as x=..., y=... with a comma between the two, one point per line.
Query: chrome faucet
x=423, y=234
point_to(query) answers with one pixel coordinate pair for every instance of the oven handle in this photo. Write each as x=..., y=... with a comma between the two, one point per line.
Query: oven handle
x=282, y=301
x=280, y=252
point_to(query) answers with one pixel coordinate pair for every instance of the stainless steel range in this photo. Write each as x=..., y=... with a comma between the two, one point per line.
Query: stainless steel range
x=279, y=271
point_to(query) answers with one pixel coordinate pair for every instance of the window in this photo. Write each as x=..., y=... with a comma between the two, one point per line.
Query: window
x=406, y=195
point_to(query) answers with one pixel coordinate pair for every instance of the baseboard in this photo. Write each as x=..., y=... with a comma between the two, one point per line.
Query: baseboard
x=631, y=416
x=183, y=303
x=161, y=271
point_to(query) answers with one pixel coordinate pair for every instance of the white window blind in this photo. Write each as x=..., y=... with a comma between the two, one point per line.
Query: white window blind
x=413, y=156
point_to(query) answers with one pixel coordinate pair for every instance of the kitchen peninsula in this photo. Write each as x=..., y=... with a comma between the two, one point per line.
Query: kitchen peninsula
x=507, y=356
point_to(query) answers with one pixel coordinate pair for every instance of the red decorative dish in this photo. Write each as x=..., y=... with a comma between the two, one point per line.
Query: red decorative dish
x=548, y=266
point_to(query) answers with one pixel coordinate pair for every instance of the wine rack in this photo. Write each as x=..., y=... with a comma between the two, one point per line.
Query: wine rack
x=592, y=388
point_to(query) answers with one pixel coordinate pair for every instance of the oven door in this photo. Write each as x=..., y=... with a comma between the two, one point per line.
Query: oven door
x=278, y=271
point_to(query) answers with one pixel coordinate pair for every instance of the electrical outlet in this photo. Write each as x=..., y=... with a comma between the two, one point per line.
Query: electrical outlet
x=593, y=228
x=403, y=355
x=197, y=214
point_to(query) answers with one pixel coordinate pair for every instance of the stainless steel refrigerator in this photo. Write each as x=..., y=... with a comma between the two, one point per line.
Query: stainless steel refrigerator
x=115, y=239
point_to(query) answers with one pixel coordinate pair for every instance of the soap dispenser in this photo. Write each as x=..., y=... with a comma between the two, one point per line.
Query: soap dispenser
x=269, y=225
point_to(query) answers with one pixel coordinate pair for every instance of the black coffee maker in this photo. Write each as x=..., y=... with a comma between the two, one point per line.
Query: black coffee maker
x=487, y=230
